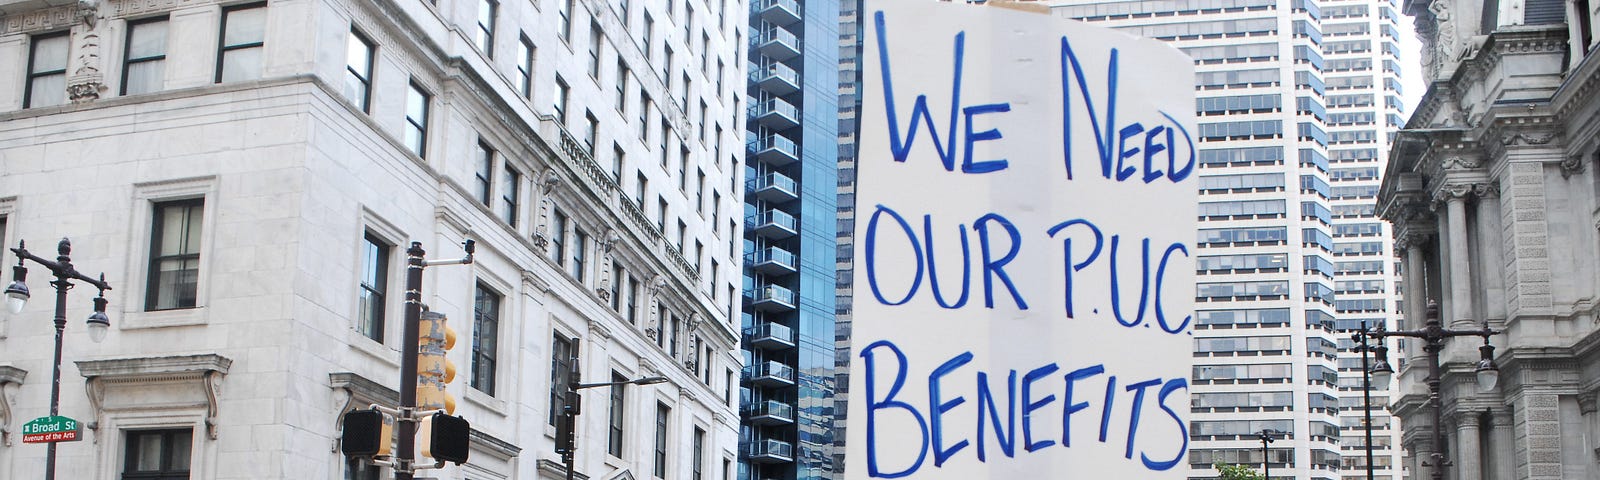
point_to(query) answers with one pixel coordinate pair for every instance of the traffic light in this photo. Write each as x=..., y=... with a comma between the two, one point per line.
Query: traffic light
x=366, y=433
x=434, y=370
x=445, y=438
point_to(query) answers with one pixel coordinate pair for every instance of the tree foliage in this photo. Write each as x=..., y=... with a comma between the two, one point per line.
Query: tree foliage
x=1237, y=472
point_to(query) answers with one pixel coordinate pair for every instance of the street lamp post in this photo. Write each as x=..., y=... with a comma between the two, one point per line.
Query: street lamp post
x=1266, y=464
x=17, y=297
x=1433, y=334
x=567, y=443
x=1362, y=338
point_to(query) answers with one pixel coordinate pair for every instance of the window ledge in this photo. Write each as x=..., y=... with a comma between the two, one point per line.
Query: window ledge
x=372, y=348
x=163, y=318
x=490, y=403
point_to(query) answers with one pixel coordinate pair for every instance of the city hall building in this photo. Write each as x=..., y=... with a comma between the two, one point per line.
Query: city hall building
x=1494, y=192
x=249, y=176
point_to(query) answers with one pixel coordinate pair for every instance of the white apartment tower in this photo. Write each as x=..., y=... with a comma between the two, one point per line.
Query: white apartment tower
x=1296, y=100
x=248, y=175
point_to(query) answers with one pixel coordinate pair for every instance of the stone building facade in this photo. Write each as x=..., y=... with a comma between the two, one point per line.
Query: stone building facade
x=1493, y=192
x=248, y=175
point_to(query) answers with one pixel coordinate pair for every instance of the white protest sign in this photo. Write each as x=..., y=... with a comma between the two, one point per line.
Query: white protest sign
x=1025, y=227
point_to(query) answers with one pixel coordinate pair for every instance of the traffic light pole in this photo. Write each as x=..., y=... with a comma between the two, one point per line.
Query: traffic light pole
x=406, y=422
x=408, y=364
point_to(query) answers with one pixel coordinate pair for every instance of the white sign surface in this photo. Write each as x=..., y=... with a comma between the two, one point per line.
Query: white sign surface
x=1024, y=255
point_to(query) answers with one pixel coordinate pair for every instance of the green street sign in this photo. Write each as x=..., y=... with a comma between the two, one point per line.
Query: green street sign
x=50, y=430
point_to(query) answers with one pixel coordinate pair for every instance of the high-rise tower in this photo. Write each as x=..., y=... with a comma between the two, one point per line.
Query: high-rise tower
x=790, y=176
x=1295, y=103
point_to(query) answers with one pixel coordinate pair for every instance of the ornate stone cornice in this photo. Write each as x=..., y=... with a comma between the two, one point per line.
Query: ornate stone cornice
x=1532, y=40
x=208, y=369
x=493, y=446
x=40, y=20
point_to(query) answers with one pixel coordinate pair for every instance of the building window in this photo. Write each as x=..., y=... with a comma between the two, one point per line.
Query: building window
x=558, y=234
x=525, y=66
x=661, y=213
x=649, y=37
x=174, y=255
x=639, y=187
x=700, y=191
x=244, y=30
x=485, y=172
x=616, y=288
x=580, y=243
x=644, y=114
x=705, y=366
x=683, y=231
x=487, y=11
x=662, y=413
x=47, y=71
x=564, y=8
x=157, y=454
x=561, y=101
x=699, y=457
x=509, y=195
x=595, y=38
x=485, y=338
x=622, y=86
x=632, y=299
x=416, y=129
x=145, y=57
x=591, y=130
x=563, y=356
x=356, y=468
x=672, y=341
x=618, y=158
x=374, y=286
x=617, y=413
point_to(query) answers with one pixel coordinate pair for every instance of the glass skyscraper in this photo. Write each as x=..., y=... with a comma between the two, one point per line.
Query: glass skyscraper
x=790, y=198
x=1296, y=102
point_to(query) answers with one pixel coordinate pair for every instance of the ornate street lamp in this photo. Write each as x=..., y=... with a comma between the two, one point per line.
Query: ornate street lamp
x=17, y=298
x=1433, y=334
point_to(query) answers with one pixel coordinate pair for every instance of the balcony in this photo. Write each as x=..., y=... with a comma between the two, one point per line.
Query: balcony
x=776, y=78
x=773, y=224
x=773, y=298
x=772, y=261
x=775, y=114
x=770, y=374
x=775, y=150
x=777, y=43
x=769, y=451
x=771, y=336
x=781, y=12
x=774, y=187
x=770, y=412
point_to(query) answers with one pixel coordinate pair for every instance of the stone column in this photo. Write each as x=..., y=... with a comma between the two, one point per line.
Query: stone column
x=1588, y=404
x=1460, y=261
x=1469, y=454
x=1416, y=277
x=1441, y=291
x=1502, y=458
x=1491, y=251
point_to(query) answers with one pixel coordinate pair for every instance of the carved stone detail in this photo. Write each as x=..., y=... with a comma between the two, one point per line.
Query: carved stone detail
x=40, y=20
x=1461, y=163
x=1572, y=165
x=10, y=382
x=1527, y=138
x=1486, y=190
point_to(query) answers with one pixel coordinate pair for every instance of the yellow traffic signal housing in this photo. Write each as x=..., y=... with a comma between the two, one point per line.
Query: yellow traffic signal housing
x=435, y=371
